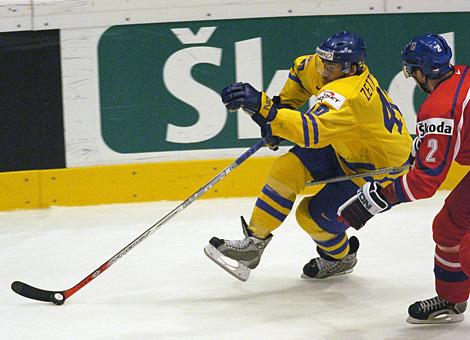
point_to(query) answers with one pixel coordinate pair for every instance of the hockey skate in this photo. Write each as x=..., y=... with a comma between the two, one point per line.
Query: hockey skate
x=326, y=266
x=237, y=257
x=436, y=310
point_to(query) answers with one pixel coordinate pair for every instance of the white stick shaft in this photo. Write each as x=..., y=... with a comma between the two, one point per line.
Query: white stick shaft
x=361, y=175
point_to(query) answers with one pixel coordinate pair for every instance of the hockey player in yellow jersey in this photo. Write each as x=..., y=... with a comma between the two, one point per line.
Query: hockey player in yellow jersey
x=352, y=127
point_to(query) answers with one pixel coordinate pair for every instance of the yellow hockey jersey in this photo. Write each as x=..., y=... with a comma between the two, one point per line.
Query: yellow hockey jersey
x=353, y=114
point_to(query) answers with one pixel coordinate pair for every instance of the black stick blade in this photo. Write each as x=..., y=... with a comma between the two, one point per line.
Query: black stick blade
x=34, y=293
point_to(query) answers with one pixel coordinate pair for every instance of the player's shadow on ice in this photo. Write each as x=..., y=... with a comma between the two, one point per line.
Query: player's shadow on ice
x=339, y=289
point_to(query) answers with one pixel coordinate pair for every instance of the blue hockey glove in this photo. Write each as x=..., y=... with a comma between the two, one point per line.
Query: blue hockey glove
x=360, y=208
x=241, y=95
x=272, y=142
x=244, y=96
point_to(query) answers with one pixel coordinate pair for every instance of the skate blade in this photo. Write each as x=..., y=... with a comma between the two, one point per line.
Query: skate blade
x=239, y=271
x=439, y=319
x=306, y=277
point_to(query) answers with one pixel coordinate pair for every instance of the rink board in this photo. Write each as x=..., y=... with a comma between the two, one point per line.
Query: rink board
x=141, y=183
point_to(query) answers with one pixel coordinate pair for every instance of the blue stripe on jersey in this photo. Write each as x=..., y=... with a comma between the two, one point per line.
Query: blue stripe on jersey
x=297, y=80
x=270, y=210
x=402, y=197
x=272, y=113
x=339, y=250
x=305, y=126
x=355, y=166
x=438, y=170
x=276, y=197
x=446, y=276
x=315, y=127
x=331, y=242
x=454, y=103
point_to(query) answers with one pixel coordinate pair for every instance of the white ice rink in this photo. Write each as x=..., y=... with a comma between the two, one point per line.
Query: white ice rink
x=167, y=289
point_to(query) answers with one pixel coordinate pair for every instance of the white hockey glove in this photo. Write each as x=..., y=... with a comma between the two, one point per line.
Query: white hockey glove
x=368, y=202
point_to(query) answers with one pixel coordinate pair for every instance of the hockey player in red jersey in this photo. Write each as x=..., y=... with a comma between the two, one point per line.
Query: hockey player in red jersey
x=443, y=135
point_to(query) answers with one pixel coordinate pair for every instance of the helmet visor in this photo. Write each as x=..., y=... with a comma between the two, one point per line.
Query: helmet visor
x=408, y=69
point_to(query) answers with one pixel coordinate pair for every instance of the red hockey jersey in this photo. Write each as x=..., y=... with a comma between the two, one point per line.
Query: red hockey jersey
x=443, y=126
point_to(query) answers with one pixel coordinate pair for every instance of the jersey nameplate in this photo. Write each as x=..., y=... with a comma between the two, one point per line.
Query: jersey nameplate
x=333, y=98
x=435, y=126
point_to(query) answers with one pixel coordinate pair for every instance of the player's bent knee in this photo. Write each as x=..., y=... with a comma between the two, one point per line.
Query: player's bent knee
x=439, y=226
x=446, y=232
x=306, y=222
x=288, y=174
x=303, y=218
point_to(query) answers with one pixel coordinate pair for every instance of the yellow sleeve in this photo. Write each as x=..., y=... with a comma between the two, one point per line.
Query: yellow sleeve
x=320, y=126
x=295, y=92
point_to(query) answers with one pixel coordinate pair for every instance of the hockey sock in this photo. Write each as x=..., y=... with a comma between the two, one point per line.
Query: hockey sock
x=465, y=253
x=452, y=284
x=337, y=248
x=271, y=209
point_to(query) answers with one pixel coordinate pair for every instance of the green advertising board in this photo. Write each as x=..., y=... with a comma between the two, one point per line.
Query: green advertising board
x=159, y=83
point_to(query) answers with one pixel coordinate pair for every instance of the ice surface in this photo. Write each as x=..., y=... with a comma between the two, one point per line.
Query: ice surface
x=167, y=289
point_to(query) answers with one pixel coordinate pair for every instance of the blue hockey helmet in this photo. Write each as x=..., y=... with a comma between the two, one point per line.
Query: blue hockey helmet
x=430, y=53
x=343, y=48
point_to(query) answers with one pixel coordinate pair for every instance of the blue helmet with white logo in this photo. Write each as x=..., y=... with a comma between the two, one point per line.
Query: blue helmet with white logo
x=430, y=53
x=344, y=48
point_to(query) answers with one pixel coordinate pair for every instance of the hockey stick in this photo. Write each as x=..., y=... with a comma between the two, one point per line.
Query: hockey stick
x=391, y=170
x=59, y=297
